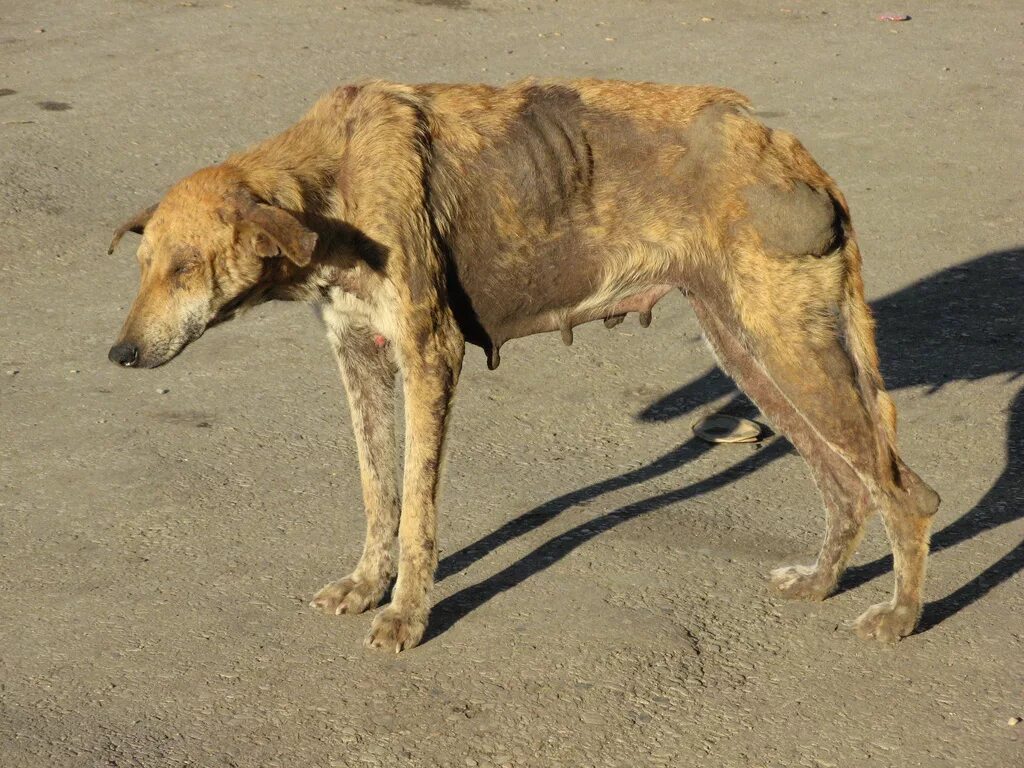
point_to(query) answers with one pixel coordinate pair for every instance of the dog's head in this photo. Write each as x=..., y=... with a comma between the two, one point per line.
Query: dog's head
x=209, y=248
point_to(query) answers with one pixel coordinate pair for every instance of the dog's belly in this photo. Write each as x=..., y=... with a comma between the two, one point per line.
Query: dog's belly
x=553, y=286
x=572, y=214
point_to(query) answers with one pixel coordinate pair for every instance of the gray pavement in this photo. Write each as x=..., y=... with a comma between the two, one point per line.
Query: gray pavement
x=602, y=598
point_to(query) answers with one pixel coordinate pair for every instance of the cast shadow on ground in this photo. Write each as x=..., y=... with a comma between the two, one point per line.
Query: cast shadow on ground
x=964, y=323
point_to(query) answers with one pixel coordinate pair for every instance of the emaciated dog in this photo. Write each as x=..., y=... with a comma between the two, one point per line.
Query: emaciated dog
x=417, y=218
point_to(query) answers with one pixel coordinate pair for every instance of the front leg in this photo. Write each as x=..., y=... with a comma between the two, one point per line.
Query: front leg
x=431, y=359
x=368, y=371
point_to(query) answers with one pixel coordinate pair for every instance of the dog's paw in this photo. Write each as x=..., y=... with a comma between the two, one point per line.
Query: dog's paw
x=800, y=582
x=887, y=622
x=396, y=630
x=348, y=595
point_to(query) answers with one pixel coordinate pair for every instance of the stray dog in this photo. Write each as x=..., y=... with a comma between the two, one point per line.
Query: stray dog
x=419, y=218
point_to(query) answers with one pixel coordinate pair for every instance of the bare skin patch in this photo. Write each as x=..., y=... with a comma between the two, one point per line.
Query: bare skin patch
x=798, y=221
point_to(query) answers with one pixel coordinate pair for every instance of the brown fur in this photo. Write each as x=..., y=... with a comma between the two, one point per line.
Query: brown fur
x=422, y=217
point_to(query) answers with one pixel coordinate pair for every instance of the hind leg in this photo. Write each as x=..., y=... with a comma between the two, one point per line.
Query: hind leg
x=802, y=378
x=907, y=519
x=846, y=511
x=847, y=504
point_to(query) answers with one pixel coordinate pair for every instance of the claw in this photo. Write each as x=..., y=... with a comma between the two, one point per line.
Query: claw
x=567, y=335
x=645, y=319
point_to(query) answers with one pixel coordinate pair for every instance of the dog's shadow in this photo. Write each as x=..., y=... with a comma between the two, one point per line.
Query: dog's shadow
x=964, y=323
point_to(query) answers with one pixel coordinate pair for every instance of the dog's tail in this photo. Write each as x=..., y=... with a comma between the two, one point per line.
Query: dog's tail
x=858, y=327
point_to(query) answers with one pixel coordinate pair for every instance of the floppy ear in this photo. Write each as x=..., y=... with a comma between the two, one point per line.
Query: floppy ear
x=136, y=224
x=275, y=232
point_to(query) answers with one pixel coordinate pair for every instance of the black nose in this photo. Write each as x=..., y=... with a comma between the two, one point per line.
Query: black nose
x=125, y=354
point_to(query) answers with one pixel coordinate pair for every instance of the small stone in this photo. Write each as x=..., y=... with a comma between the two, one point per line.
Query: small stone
x=13, y=372
x=75, y=370
x=40, y=30
x=163, y=391
x=1013, y=721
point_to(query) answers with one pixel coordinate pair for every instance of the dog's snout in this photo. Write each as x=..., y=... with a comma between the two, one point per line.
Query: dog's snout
x=125, y=353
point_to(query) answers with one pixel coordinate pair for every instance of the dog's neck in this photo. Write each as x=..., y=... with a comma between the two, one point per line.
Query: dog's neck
x=283, y=169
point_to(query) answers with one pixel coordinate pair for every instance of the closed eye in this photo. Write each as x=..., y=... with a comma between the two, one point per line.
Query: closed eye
x=184, y=268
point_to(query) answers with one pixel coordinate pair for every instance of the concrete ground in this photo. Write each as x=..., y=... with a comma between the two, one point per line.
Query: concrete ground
x=602, y=597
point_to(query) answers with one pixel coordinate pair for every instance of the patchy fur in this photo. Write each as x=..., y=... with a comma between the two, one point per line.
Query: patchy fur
x=417, y=218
